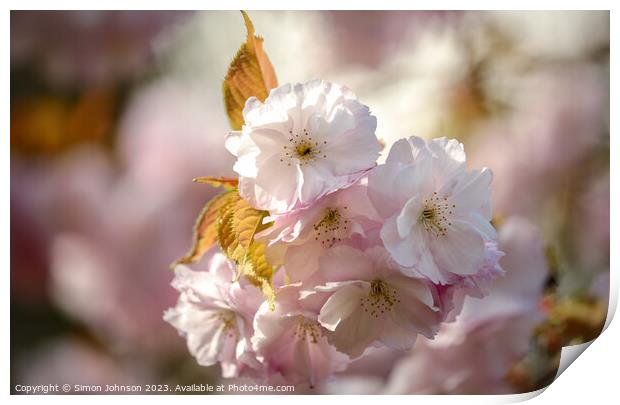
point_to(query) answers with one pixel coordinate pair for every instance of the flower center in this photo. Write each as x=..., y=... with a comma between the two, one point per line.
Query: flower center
x=303, y=147
x=331, y=228
x=307, y=330
x=228, y=324
x=435, y=215
x=381, y=298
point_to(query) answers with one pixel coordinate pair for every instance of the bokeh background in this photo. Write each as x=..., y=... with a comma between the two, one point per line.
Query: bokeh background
x=113, y=113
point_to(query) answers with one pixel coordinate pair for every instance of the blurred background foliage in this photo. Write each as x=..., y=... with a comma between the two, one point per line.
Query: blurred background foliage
x=113, y=113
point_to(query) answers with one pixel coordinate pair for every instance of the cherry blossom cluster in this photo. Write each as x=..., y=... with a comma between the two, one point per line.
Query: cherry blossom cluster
x=366, y=255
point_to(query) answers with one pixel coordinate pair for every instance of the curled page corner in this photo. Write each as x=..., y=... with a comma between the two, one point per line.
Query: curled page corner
x=569, y=355
x=612, y=302
x=521, y=397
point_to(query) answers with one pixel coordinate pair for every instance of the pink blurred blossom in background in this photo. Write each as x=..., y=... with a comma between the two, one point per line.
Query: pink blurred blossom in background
x=94, y=227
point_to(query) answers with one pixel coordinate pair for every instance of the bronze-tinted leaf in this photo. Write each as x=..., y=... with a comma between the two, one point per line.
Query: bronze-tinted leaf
x=249, y=74
x=237, y=224
x=226, y=235
x=229, y=183
x=259, y=272
x=205, y=229
x=248, y=221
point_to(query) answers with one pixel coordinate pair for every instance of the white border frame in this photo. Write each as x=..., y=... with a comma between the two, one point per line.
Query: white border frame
x=591, y=378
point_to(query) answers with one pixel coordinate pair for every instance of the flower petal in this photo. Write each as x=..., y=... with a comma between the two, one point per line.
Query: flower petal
x=460, y=251
x=342, y=304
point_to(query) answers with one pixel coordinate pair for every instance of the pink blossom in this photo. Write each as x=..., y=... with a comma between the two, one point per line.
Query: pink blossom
x=437, y=215
x=305, y=141
x=474, y=353
x=303, y=236
x=371, y=301
x=291, y=343
x=215, y=314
